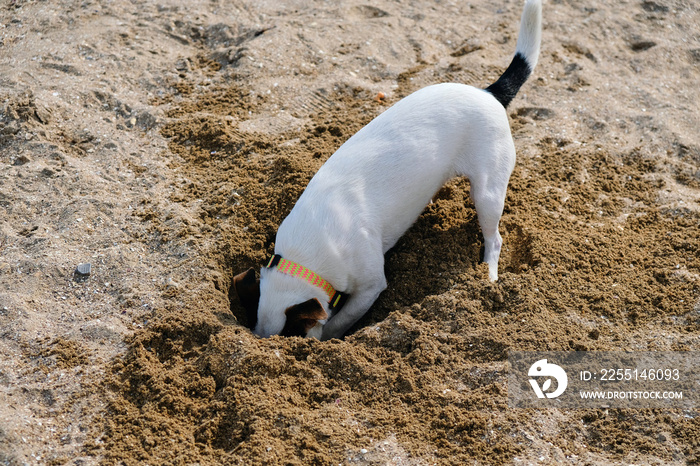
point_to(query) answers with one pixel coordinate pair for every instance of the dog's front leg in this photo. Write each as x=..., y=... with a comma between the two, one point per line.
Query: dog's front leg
x=356, y=306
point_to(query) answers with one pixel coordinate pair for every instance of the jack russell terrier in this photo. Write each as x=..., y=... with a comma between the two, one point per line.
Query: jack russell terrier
x=328, y=266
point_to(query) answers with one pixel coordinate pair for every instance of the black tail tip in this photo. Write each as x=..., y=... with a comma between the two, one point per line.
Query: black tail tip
x=510, y=82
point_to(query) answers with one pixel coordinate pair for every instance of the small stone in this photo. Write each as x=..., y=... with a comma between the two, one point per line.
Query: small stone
x=84, y=269
x=170, y=283
x=21, y=160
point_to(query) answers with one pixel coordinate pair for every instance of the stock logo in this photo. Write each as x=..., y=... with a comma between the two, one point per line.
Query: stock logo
x=543, y=369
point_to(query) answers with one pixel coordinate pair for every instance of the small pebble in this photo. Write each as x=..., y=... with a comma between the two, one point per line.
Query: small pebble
x=84, y=269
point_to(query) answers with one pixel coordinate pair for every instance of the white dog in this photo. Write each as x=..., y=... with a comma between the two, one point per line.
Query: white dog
x=375, y=186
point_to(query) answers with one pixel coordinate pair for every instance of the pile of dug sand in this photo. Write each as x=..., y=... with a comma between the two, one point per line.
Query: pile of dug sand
x=162, y=143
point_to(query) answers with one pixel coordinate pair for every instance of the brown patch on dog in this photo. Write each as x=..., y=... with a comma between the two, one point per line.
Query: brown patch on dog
x=247, y=288
x=303, y=317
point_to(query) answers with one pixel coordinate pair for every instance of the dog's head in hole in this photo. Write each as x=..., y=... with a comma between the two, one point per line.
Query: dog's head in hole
x=300, y=319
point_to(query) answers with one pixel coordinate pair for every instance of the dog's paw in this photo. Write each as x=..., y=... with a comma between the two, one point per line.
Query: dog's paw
x=316, y=331
x=493, y=272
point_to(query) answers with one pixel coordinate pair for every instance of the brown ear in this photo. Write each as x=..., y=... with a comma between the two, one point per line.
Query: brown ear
x=248, y=290
x=303, y=317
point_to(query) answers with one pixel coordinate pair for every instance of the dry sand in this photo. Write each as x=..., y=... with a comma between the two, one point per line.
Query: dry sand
x=163, y=142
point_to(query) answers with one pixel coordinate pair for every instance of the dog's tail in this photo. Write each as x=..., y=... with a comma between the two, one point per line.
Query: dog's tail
x=527, y=50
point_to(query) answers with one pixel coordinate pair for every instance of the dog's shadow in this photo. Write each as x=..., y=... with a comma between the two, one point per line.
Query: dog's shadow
x=443, y=242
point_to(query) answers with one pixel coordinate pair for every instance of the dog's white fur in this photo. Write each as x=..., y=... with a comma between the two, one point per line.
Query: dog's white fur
x=375, y=186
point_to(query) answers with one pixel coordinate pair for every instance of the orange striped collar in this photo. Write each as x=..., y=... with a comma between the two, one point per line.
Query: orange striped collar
x=336, y=299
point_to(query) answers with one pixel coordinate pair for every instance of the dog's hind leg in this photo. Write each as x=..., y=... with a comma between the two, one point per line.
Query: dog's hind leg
x=489, y=207
x=488, y=191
